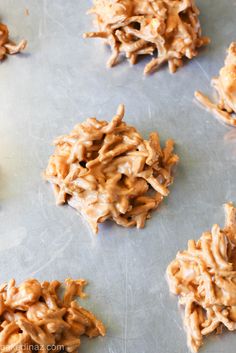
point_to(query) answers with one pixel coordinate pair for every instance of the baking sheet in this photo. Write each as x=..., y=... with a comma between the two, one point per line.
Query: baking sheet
x=59, y=81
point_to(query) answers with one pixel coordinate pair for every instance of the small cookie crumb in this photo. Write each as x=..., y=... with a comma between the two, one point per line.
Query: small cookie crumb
x=7, y=46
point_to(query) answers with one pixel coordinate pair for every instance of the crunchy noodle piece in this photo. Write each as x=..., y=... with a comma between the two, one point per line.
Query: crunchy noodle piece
x=7, y=46
x=225, y=85
x=170, y=29
x=106, y=171
x=204, y=278
x=29, y=322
